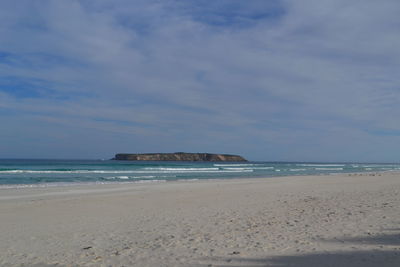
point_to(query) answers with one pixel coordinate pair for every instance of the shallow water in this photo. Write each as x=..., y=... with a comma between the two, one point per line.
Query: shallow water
x=52, y=172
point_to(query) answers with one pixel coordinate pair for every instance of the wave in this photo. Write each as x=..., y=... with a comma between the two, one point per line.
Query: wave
x=155, y=170
x=196, y=171
x=296, y=170
x=379, y=166
x=61, y=172
x=118, y=177
x=67, y=184
x=321, y=165
x=139, y=177
x=180, y=169
x=329, y=169
x=237, y=165
x=248, y=169
x=237, y=169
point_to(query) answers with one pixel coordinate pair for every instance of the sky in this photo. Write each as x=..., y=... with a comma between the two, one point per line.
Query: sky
x=273, y=80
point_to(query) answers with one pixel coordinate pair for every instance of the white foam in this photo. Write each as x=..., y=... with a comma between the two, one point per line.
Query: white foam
x=296, y=170
x=237, y=169
x=378, y=166
x=117, y=177
x=244, y=170
x=149, y=181
x=194, y=171
x=150, y=170
x=61, y=172
x=247, y=168
x=321, y=165
x=67, y=184
x=329, y=169
x=236, y=165
x=181, y=169
x=139, y=177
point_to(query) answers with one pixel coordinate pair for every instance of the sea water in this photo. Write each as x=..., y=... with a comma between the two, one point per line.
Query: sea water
x=17, y=173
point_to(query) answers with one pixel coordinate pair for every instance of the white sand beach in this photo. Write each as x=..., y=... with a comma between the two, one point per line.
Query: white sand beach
x=332, y=220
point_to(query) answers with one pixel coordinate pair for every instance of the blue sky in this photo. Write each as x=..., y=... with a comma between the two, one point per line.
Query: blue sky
x=285, y=80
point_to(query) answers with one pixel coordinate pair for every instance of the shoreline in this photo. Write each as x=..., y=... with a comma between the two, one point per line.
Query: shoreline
x=99, y=183
x=350, y=220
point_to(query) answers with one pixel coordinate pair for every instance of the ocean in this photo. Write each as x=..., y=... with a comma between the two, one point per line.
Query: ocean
x=30, y=173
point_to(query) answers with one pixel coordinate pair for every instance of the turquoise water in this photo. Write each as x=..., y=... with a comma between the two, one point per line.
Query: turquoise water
x=55, y=172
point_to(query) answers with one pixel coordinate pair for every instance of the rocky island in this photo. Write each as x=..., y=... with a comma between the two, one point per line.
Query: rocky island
x=180, y=156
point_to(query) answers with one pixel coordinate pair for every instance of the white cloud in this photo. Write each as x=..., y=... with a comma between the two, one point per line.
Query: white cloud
x=164, y=74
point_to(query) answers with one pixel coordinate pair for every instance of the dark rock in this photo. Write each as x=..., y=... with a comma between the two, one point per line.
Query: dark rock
x=180, y=156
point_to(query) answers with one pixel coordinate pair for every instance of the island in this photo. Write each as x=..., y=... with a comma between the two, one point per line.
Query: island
x=180, y=156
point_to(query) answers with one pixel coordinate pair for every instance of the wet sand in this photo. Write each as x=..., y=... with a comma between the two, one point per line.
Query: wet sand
x=333, y=220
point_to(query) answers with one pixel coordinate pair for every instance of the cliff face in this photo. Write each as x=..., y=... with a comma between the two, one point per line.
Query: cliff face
x=180, y=156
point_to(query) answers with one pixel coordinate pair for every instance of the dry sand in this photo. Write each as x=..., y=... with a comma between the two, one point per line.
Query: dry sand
x=337, y=220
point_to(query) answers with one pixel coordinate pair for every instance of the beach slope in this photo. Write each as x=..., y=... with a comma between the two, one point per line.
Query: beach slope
x=333, y=220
